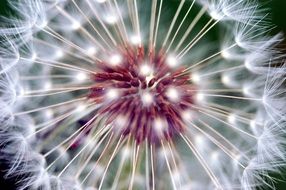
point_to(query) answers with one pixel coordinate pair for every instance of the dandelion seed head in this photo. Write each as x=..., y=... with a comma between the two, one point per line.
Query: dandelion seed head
x=136, y=94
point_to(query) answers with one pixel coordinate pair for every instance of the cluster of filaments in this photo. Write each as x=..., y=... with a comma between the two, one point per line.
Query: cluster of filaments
x=142, y=95
x=97, y=98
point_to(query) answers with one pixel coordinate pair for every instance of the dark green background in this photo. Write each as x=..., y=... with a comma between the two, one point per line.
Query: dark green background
x=278, y=15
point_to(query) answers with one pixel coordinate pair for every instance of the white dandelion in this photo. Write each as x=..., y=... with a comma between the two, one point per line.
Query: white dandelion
x=129, y=94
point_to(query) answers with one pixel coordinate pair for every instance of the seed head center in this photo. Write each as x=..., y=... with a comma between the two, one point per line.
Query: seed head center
x=144, y=89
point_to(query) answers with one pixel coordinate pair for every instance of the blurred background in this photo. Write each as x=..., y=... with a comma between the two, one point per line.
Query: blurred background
x=277, y=9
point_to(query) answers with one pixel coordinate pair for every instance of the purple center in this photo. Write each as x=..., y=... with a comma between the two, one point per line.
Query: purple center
x=142, y=96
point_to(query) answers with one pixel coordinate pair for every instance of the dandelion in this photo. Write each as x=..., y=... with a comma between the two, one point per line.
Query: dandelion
x=115, y=94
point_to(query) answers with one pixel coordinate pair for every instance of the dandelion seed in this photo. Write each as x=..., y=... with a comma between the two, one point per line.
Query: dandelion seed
x=128, y=94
